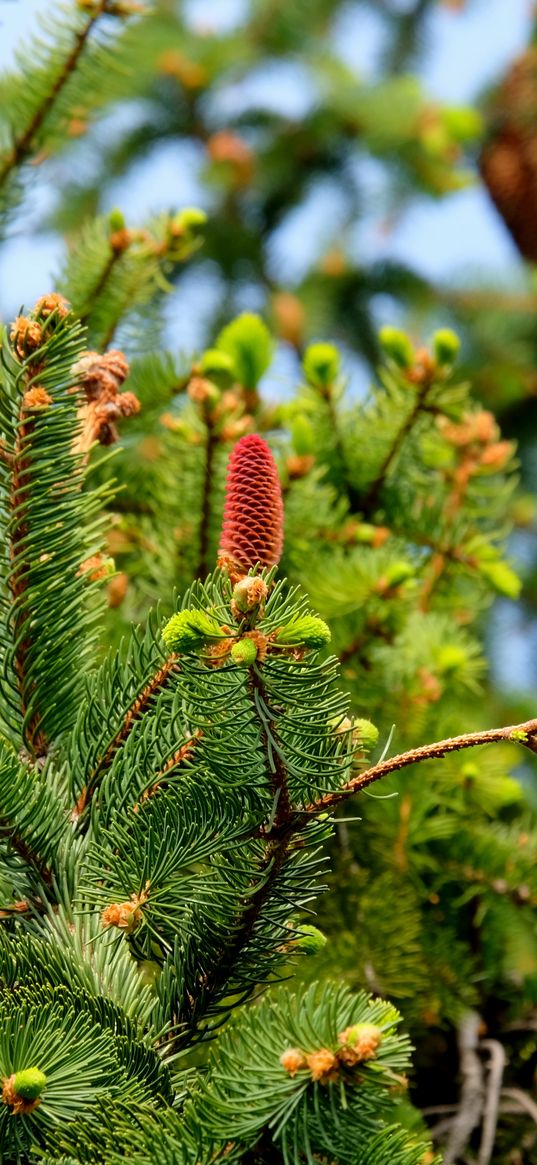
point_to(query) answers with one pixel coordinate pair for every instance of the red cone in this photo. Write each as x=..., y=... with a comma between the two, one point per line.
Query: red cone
x=253, y=513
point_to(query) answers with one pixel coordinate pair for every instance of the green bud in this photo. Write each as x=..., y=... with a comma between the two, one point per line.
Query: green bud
x=191, y=219
x=365, y=533
x=397, y=346
x=217, y=366
x=451, y=657
x=306, y=631
x=116, y=220
x=398, y=572
x=248, y=343
x=302, y=436
x=244, y=652
x=310, y=940
x=445, y=346
x=188, y=630
x=30, y=1083
x=321, y=365
x=463, y=123
x=365, y=734
x=519, y=735
x=501, y=577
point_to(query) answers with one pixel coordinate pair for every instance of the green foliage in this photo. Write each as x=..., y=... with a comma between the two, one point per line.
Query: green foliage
x=248, y=1089
x=112, y=273
x=167, y=793
x=51, y=525
x=65, y=72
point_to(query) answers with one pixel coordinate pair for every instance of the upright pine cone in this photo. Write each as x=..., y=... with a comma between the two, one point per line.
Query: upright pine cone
x=508, y=161
x=253, y=513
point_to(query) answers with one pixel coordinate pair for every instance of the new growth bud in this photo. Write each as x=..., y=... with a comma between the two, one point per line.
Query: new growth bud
x=116, y=220
x=365, y=734
x=360, y=1041
x=248, y=343
x=22, y=1091
x=446, y=345
x=310, y=940
x=306, y=631
x=191, y=220
x=244, y=652
x=321, y=365
x=30, y=1083
x=217, y=366
x=292, y=1060
x=190, y=630
x=397, y=346
x=248, y=595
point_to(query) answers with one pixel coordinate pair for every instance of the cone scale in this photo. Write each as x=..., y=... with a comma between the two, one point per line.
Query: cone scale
x=252, y=531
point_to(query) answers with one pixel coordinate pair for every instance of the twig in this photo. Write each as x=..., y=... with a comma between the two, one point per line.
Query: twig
x=523, y=1100
x=23, y=145
x=497, y=1063
x=137, y=709
x=210, y=447
x=113, y=258
x=525, y=734
x=439, y=1110
x=368, y=503
x=472, y=1091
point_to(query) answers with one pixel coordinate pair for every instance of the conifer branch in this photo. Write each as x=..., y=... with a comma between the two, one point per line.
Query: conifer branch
x=25, y=851
x=215, y=984
x=102, y=282
x=274, y=762
x=369, y=502
x=137, y=709
x=279, y=835
x=205, y=517
x=525, y=734
x=17, y=581
x=274, y=857
x=24, y=143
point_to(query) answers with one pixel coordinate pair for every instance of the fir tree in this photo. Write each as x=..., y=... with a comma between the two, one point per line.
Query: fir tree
x=164, y=817
x=169, y=794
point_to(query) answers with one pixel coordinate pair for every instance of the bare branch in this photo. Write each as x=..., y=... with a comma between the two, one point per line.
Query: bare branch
x=472, y=1090
x=522, y=1099
x=497, y=1063
x=525, y=734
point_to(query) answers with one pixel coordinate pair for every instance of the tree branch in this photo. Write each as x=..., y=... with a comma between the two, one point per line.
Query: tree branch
x=137, y=709
x=492, y=1099
x=211, y=442
x=24, y=143
x=472, y=1091
x=525, y=734
x=18, y=576
x=279, y=842
x=368, y=503
x=25, y=851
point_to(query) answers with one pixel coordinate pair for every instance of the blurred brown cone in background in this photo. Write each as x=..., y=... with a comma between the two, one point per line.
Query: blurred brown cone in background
x=508, y=160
